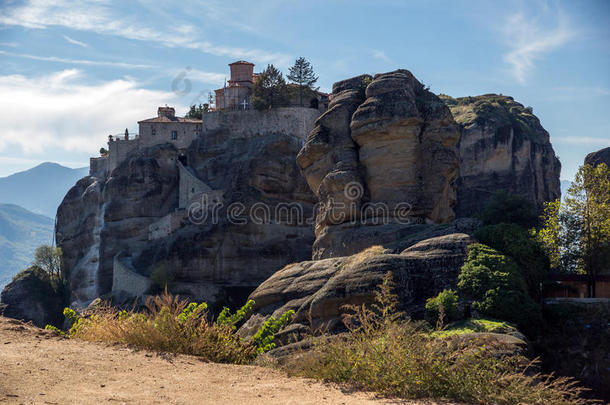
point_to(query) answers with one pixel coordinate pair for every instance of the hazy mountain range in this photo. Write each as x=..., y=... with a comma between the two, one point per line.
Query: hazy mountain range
x=21, y=232
x=28, y=203
x=40, y=189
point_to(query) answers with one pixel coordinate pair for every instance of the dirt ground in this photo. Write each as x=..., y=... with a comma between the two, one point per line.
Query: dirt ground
x=39, y=367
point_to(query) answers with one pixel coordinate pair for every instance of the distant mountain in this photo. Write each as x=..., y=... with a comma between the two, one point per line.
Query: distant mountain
x=21, y=232
x=565, y=184
x=40, y=189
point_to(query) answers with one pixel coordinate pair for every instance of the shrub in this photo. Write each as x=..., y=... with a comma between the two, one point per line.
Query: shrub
x=443, y=307
x=264, y=338
x=497, y=287
x=509, y=209
x=385, y=352
x=172, y=325
x=523, y=247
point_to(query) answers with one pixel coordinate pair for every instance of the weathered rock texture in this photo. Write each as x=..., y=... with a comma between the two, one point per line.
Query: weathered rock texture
x=596, y=158
x=503, y=147
x=317, y=290
x=216, y=259
x=31, y=297
x=384, y=152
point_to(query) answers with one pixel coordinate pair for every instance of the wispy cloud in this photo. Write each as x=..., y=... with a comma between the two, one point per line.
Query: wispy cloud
x=381, y=55
x=58, y=111
x=99, y=17
x=529, y=40
x=582, y=140
x=75, y=42
x=78, y=61
x=9, y=44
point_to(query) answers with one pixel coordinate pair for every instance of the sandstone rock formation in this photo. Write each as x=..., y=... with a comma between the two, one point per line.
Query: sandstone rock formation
x=503, y=147
x=31, y=297
x=598, y=157
x=221, y=258
x=384, y=152
x=317, y=290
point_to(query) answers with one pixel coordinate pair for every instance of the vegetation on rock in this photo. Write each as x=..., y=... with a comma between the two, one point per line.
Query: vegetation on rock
x=385, y=352
x=443, y=308
x=169, y=324
x=269, y=90
x=497, y=287
x=302, y=74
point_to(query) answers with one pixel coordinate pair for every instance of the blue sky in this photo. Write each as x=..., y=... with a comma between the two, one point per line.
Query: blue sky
x=73, y=72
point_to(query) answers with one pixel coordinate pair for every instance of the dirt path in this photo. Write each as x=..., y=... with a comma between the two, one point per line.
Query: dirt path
x=37, y=367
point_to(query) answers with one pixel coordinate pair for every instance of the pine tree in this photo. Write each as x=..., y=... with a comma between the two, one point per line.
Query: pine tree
x=302, y=75
x=269, y=90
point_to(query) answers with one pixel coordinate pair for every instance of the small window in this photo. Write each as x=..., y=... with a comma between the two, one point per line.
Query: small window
x=174, y=135
x=153, y=131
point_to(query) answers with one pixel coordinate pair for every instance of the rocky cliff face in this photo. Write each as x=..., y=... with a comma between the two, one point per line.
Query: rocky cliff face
x=384, y=152
x=318, y=290
x=598, y=157
x=31, y=297
x=220, y=256
x=503, y=147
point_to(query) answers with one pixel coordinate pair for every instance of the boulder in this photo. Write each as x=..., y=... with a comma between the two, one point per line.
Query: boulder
x=318, y=290
x=32, y=297
x=503, y=147
x=383, y=155
x=596, y=158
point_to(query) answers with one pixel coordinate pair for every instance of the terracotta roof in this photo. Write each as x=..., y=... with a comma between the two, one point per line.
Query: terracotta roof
x=171, y=119
x=241, y=62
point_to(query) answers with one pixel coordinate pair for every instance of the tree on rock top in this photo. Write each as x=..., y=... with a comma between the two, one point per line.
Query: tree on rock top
x=269, y=90
x=303, y=76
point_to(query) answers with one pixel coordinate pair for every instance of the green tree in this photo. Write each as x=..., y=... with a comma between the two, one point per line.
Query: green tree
x=446, y=302
x=497, y=287
x=269, y=90
x=509, y=208
x=576, y=234
x=103, y=151
x=49, y=259
x=523, y=247
x=197, y=111
x=303, y=76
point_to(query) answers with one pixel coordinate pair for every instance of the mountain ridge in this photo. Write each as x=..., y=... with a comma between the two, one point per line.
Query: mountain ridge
x=41, y=188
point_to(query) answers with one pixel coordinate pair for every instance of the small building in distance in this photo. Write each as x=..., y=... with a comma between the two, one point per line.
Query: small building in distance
x=237, y=92
x=166, y=127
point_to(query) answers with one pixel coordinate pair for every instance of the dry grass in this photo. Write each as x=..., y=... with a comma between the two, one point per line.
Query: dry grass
x=167, y=325
x=383, y=352
x=364, y=255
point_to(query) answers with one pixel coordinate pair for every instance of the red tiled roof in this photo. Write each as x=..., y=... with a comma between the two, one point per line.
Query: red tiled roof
x=241, y=62
x=171, y=119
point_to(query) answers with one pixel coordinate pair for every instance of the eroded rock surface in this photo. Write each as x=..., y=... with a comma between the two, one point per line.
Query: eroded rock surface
x=317, y=290
x=503, y=147
x=220, y=258
x=384, y=153
x=31, y=297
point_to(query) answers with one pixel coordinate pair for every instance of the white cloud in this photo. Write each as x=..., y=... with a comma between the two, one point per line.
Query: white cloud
x=57, y=111
x=582, y=140
x=75, y=42
x=78, y=61
x=99, y=16
x=529, y=40
x=379, y=54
